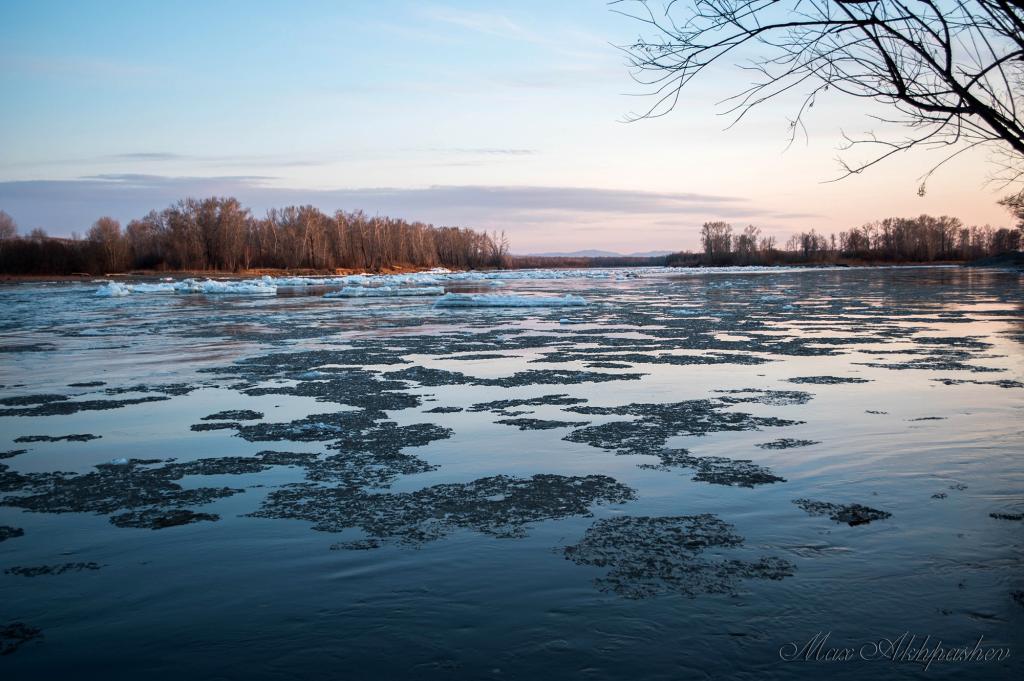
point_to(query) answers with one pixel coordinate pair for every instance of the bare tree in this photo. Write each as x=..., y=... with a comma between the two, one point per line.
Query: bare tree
x=8, y=228
x=145, y=238
x=716, y=238
x=110, y=247
x=1015, y=204
x=950, y=71
x=745, y=244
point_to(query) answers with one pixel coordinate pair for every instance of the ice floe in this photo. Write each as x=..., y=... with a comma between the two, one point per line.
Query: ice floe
x=229, y=287
x=440, y=275
x=385, y=291
x=436, y=276
x=494, y=300
x=114, y=289
x=164, y=287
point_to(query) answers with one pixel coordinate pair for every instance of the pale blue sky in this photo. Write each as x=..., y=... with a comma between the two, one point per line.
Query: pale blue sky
x=497, y=115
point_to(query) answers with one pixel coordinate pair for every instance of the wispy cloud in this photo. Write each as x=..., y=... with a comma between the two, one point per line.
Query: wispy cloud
x=573, y=44
x=145, y=180
x=796, y=215
x=486, y=23
x=558, y=77
x=136, y=158
x=489, y=151
x=165, y=163
x=78, y=67
x=148, y=156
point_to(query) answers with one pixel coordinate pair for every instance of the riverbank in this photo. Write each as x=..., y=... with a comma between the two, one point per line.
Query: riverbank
x=213, y=274
x=1008, y=260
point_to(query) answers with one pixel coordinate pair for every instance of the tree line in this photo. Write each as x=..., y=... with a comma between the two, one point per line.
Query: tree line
x=220, y=234
x=921, y=239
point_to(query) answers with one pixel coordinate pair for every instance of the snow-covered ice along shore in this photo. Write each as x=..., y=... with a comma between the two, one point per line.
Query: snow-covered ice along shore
x=420, y=280
x=116, y=289
x=434, y=277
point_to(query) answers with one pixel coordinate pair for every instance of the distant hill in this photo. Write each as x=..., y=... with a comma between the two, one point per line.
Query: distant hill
x=594, y=253
x=651, y=254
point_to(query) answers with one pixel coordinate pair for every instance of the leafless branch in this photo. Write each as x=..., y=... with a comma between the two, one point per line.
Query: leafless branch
x=951, y=70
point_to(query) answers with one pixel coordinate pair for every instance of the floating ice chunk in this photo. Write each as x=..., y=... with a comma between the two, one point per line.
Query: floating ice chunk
x=209, y=286
x=298, y=282
x=152, y=288
x=385, y=291
x=113, y=289
x=495, y=300
x=437, y=276
x=119, y=462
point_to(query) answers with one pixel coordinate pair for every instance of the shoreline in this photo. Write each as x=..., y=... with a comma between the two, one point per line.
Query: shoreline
x=209, y=274
x=987, y=263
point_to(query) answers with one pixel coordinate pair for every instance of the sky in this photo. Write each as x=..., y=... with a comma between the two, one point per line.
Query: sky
x=493, y=115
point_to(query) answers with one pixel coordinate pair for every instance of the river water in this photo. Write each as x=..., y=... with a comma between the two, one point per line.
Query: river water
x=697, y=474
